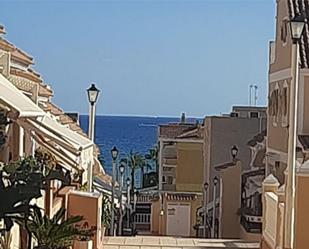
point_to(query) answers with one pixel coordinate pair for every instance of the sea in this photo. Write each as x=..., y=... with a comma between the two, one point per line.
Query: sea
x=127, y=133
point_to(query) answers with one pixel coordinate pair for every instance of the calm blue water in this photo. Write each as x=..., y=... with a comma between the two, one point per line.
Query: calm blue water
x=138, y=134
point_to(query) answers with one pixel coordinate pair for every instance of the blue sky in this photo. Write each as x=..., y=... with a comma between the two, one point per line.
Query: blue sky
x=147, y=57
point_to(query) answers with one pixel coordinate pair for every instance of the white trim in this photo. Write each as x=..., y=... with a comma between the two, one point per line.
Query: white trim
x=280, y=75
x=186, y=140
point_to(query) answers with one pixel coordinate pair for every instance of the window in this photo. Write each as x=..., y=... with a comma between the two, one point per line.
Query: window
x=284, y=31
x=163, y=179
x=254, y=114
x=273, y=103
x=170, y=180
x=284, y=102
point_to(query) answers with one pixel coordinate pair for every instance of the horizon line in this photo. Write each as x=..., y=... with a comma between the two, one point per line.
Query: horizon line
x=138, y=115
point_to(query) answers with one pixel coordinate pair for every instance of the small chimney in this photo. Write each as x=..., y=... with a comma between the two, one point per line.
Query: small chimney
x=2, y=30
x=183, y=118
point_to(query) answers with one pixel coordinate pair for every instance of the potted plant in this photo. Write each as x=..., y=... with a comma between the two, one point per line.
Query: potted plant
x=56, y=232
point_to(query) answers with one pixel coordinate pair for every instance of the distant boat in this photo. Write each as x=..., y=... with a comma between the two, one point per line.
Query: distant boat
x=147, y=125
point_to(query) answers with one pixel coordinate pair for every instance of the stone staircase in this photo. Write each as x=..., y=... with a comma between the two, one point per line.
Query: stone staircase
x=158, y=242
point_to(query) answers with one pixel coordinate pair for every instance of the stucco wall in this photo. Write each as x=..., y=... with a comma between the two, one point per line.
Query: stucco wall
x=88, y=207
x=301, y=212
x=282, y=50
x=230, y=201
x=306, y=106
x=221, y=134
x=189, y=171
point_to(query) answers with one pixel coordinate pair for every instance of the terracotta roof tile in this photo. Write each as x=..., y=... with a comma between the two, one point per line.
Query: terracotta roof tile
x=173, y=130
x=45, y=91
x=297, y=7
x=21, y=56
x=26, y=74
x=5, y=45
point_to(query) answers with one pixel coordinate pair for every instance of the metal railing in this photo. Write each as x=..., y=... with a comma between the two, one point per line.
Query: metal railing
x=142, y=218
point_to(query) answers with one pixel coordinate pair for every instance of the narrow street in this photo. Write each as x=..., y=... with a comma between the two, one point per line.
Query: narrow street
x=151, y=242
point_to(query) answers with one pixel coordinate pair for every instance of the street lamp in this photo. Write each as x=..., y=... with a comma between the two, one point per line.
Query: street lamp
x=114, y=153
x=297, y=26
x=206, y=185
x=234, y=152
x=215, y=181
x=121, y=170
x=128, y=201
x=93, y=94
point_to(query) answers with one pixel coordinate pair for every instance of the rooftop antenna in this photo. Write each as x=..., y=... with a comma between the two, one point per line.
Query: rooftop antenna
x=255, y=94
x=250, y=95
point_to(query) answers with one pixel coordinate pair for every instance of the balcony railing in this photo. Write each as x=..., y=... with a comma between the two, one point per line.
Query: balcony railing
x=251, y=223
x=142, y=218
x=170, y=162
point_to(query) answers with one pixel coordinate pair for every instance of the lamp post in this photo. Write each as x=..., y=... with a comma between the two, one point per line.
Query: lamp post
x=134, y=207
x=296, y=25
x=214, y=207
x=114, y=153
x=206, y=185
x=234, y=152
x=128, y=202
x=121, y=170
x=93, y=94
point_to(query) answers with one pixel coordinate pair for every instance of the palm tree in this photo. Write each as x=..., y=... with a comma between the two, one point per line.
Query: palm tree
x=152, y=156
x=6, y=240
x=56, y=232
x=134, y=161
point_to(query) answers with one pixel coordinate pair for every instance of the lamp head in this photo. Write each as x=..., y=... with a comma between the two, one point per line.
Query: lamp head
x=216, y=180
x=128, y=181
x=122, y=167
x=93, y=94
x=206, y=185
x=114, y=152
x=297, y=24
x=234, y=151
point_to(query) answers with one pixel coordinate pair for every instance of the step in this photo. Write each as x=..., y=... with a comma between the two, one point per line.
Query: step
x=160, y=242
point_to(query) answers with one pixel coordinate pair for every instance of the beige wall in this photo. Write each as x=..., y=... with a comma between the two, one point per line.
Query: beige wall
x=282, y=50
x=306, y=106
x=89, y=207
x=301, y=212
x=244, y=235
x=221, y=134
x=155, y=217
x=189, y=171
x=230, y=201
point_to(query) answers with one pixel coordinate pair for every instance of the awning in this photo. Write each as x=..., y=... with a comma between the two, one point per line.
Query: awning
x=69, y=147
x=15, y=99
x=46, y=123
